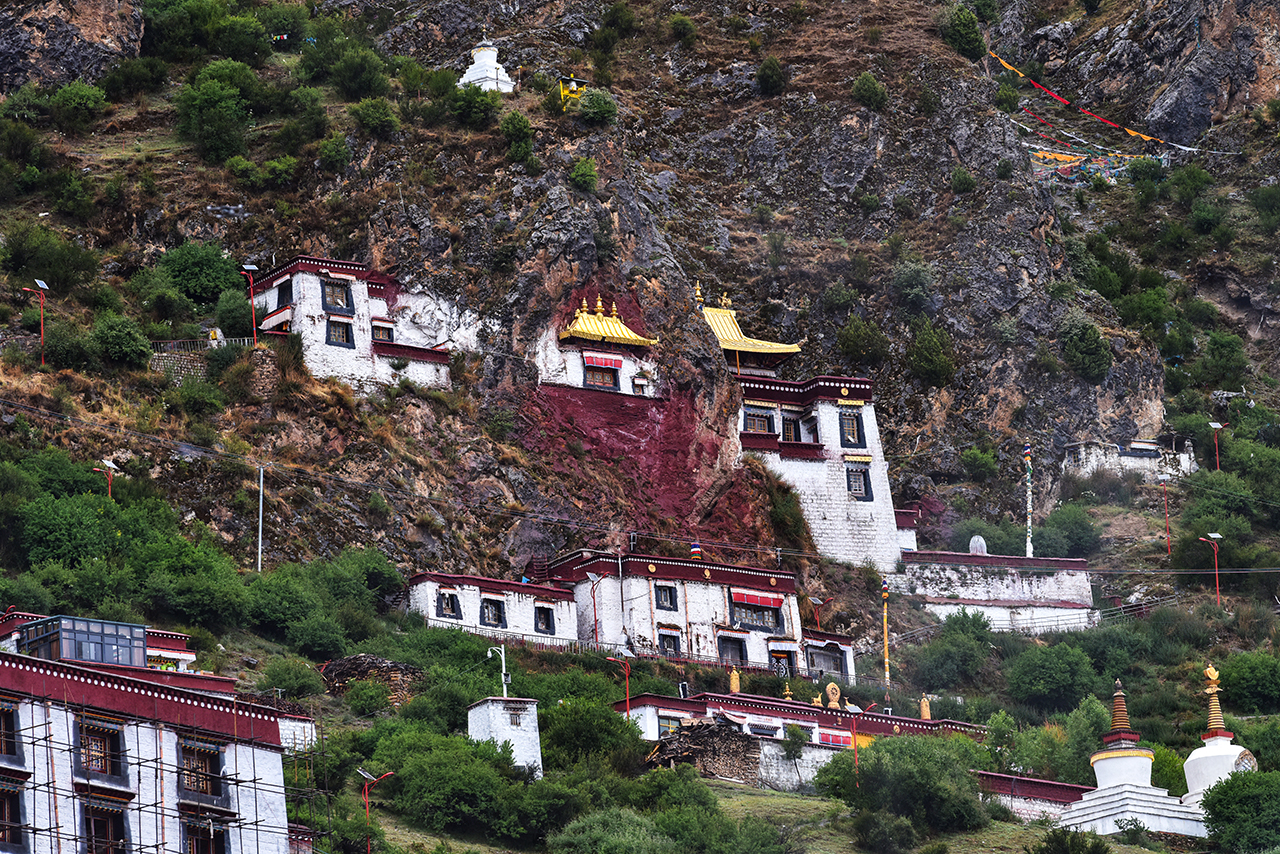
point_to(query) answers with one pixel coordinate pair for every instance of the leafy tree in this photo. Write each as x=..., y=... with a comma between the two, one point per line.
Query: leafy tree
x=862, y=342
x=360, y=74
x=770, y=77
x=959, y=28
x=1223, y=364
x=1080, y=534
x=573, y=730
x=475, y=107
x=1242, y=812
x=912, y=280
x=948, y=661
x=317, y=637
x=119, y=340
x=683, y=29
x=882, y=832
x=294, y=677
x=929, y=354
x=234, y=315
x=75, y=106
x=287, y=20
x=32, y=251
x=1251, y=681
x=922, y=778
x=132, y=76
x=584, y=175
x=870, y=92
x=1050, y=677
x=212, y=115
x=376, y=117
x=244, y=39
x=1084, y=350
x=978, y=464
x=598, y=107
x=201, y=270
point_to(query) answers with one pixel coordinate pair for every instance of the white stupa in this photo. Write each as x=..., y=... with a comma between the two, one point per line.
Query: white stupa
x=1124, y=787
x=485, y=71
x=1218, y=758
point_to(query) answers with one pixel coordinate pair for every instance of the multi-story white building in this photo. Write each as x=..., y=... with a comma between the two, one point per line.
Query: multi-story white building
x=597, y=350
x=101, y=763
x=489, y=606
x=821, y=437
x=1148, y=457
x=362, y=326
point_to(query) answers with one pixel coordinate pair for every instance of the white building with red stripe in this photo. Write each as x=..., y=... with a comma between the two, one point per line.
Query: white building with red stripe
x=362, y=326
x=493, y=607
x=597, y=350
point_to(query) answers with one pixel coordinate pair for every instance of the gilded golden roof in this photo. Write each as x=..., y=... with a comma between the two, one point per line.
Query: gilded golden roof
x=724, y=323
x=599, y=326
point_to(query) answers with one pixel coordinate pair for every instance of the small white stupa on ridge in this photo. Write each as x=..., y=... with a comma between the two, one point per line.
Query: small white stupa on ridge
x=1124, y=787
x=485, y=71
x=1217, y=759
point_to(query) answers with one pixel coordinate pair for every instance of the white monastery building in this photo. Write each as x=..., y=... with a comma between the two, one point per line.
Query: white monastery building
x=359, y=325
x=821, y=437
x=598, y=351
x=509, y=720
x=494, y=607
x=1148, y=457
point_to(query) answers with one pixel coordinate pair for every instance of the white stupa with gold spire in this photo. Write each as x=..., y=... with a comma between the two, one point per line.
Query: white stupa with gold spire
x=1217, y=758
x=1124, y=788
x=485, y=71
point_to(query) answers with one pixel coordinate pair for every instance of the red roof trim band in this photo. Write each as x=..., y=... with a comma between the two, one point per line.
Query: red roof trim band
x=593, y=361
x=757, y=599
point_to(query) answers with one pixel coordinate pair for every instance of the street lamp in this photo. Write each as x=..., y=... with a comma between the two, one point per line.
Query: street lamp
x=1217, y=428
x=817, y=608
x=1214, y=542
x=626, y=670
x=40, y=293
x=249, y=270
x=369, y=782
x=856, y=715
x=1164, y=482
x=109, y=471
x=502, y=651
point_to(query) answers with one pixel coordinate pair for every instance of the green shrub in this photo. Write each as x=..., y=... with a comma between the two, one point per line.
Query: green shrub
x=979, y=465
x=28, y=104
x=1242, y=812
x=375, y=117
x=475, y=107
x=75, y=106
x=294, y=677
x=366, y=697
x=1006, y=98
x=870, y=92
x=1266, y=201
x=862, y=342
x=1251, y=682
x=317, y=637
x=288, y=20
x=584, y=175
x=598, y=107
x=360, y=74
x=882, y=832
x=334, y=152
x=1080, y=535
x=1224, y=362
x=869, y=202
x=200, y=270
x=1050, y=677
x=613, y=830
x=1083, y=348
x=683, y=29
x=31, y=251
x=212, y=116
x=948, y=661
x=119, y=340
x=962, y=180
x=959, y=28
x=620, y=18
x=132, y=76
x=67, y=346
x=770, y=77
x=245, y=171
x=1187, y=183
x=1060, y=840
x=515, y=127
x=913, y=282
x=199, y=398
x=1205, y=217
x=929, y=355
x=234, y=315
x=244, y=39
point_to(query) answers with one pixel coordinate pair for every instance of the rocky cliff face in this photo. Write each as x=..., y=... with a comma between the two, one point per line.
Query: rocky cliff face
x=54, y=42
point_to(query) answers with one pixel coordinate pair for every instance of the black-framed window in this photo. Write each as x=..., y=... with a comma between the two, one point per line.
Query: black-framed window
x=544, y=620
x=100, y=751
x=756, y=421
x=447, y=606
x=200, y=837
x=825, y=660
x=668, y=643
x=664, y=597
x=493, y=612
x=284, y=294
x=200, y=772
x=756, y=616
x=104, y=830
x=732, y=650
x=851, y=433
x=763, y=730
x=12, y=837
x=858, y=480
x=384, y=333
x=597, y=377
x=667, y=725
x=337, y=298
x=791, y=429
x=339, y=334
x=8, y=729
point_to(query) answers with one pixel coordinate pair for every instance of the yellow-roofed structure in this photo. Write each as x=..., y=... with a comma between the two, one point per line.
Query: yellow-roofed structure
x=599, y=326
x=724, y=323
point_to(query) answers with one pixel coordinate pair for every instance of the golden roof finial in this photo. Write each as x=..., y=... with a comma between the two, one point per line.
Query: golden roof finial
x=599, y=305
x=697, y=293
x=1215, y=706
x=725, y=302
x=584, y=304
x=786, y=691
x=1119, y=711
x=614, y=311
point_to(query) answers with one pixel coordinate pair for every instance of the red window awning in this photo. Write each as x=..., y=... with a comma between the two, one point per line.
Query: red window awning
x=762, y=599
x=592, y=360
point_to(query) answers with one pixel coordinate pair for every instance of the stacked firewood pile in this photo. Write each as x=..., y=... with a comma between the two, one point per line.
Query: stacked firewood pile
x=397, y=676
x=716, y=747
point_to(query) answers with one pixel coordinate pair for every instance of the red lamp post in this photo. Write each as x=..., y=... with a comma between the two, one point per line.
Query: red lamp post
x=626, y=670
x=817, y=608
x=1217, y=428
x=40, y=293
x=369, y=782
x=856, y=783
x=1213, y=541
x=109, y=471
x=249, y=270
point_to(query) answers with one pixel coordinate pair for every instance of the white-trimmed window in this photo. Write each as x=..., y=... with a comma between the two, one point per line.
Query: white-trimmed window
x=757, y=421
x=597, y=377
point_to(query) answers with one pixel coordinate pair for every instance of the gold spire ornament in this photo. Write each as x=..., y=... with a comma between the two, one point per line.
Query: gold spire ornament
x=786, y=690
x=1119, y=711
x=1216, y=721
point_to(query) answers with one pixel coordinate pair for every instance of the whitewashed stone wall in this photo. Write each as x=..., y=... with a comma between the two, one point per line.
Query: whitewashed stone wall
x=508, y=720
x=1027, y=619
x=297, y=734
x=1085, y=458
x=779, y=772
x=843, y=527
x=991, y=582
x=518, y=607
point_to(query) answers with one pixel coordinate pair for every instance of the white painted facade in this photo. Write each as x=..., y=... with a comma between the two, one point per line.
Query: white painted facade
x=485, y=71
x=508, y=720
x=1027, y=618
x=1146, y=457
x=565, y=362
x=489, y=606
x=354, y=323
x=297, y=734
x=144, y=798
